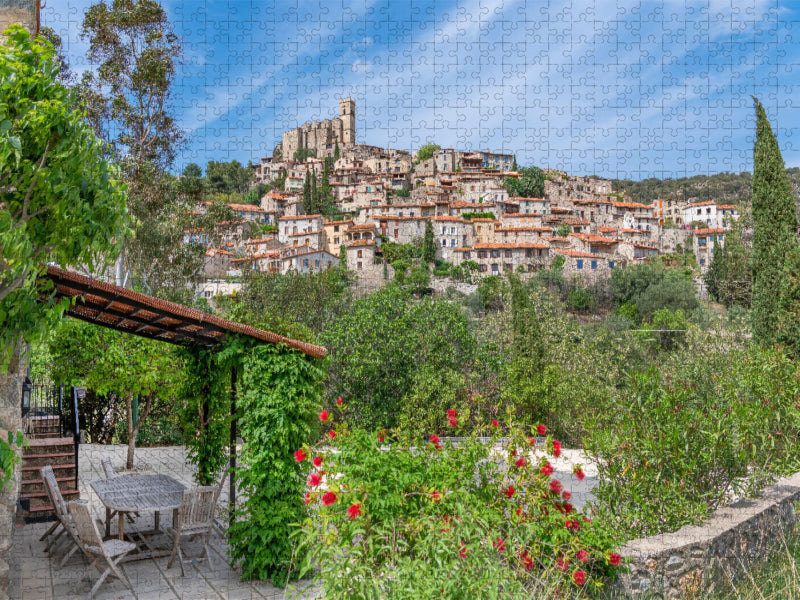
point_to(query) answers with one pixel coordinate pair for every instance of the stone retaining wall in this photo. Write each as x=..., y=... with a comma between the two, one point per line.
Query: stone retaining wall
x=696, y=560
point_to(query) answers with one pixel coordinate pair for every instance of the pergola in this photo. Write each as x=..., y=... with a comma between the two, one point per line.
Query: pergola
x=135, y=313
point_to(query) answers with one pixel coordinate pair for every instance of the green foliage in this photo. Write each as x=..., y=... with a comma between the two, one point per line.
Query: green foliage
x=491, y=291
x=392, y=251
x=192, y=170
x=428, y=244
x=468, y=216
x=451, y=522
x=580, y=299
x=302, y=154
x=427, y=151
x=60, y=201
x=279, y=403
x=529, y=184
x=433, y=391
x=670, y=327
x=651, y=286
x=563, y=230
x=228, y=177
x=774, y=230
x=402, y=193
x=378, y=345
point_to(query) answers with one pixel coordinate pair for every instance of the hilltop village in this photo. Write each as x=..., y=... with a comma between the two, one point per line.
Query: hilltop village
x=383, y=195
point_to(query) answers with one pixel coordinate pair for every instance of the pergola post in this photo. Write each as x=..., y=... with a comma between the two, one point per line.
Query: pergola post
x=232, y=501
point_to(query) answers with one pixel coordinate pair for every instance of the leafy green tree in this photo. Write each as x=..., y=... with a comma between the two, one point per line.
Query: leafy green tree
x=675, y=292
x=528, y=347
x=427, y=151
x=302, y=154
x=717, y=272
x=61, y=201
x=529, y=184
x=228, y=177
x=563, y=230
x=192, y=170
x=774, y=229
x=428, y=243
x=382, y=341
x=342, y=256
x=336, y=154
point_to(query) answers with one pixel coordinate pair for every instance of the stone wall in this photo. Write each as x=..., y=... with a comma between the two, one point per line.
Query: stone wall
x=697, y=560
x=24, y=12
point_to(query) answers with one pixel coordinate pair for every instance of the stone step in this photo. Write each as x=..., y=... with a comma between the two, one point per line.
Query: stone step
x=30, y=473
x=38, y=500
x=37, y=485
x=53, y=459
x=50, y=445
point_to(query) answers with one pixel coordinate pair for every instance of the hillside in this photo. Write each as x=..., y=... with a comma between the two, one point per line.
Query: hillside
x=728, y=188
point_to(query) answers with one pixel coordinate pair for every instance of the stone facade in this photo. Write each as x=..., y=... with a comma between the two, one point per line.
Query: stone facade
x=323, y=136
x=23, y=12
x=695, y=561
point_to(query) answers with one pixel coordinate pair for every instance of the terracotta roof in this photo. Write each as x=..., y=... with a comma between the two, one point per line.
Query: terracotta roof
x=592, y=237
x=360, y=243
x=630, y=205
x=459, y=219
x=257, y=256
x=520, y=215
x=246, y=207
x=704, y=203
x=726, y=207
x=261, y=241
x=367, y=226
x=576, y=254
x=299, y=217
x=707, y=231
x=213, y=251
x=557, y=239
x=500, y=246
x=529, y=198
x=394, y=218
x=131, y=312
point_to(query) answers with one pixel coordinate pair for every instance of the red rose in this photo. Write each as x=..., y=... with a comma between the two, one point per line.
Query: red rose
x=354, y=510
x=614, y=559
x=339, y=401
x=463, y=552
x=582, y=556
x=314, y=479
x=579, y=577
x=328, y=498
x=452, y=422
x=531, y=440
x=563, y=564
x=331, y=434
x=521, y=461
x=556, y=448
x=510, y=491
x=568, y=508
x=434, y=439
x=555, y=486
x=451, y=414
x=308, y=498
x=324, y=416
x=578, y=472
x=495, y=424
x=547, y=469
x=317, y=461
x=541, y=430
x=500, y=545
x=436, y=496
x=566, y=495
x=527, y=561
x=300, y=455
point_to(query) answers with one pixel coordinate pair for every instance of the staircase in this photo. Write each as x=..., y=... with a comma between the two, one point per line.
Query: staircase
x=58, y=452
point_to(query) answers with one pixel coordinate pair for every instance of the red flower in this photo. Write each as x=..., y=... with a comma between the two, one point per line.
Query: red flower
x=331, y=434
x=339, y=401
x=500, y=545
x=314, y=479
x=520, y=514
x=563, y=564
x=354, y=510
x=308, y=498
x=568, y=508
x=541, y=430
x=317, y=461
x=582, y=556
x=451, y=414
x=547, y=469
x=527, y=561
x=566, y=495
x=463, y=552
x=434, y=439
x=579, y=577
x=328, y=498
x=300, y=455
x=587, y=520
x=438, y=446
x=614, y=559
x=555, y=486
x=495, y=424
x=531, y=440
x=514, y=452
x=452, y=422
x=324, y=416
x=521, y=461
x=556, y=448
x=573, y=525
x=510, y=491
x=436, y=497
x=381, y=436
x=578, y=472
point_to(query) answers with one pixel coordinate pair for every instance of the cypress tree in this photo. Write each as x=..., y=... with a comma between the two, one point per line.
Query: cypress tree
x=343, y=256
x=307, y=196
x=787, y=330
x=428, y=244
x=528, y=347
x=774, y=230
x=336, y=151
x=314, y=193
x=716, y=274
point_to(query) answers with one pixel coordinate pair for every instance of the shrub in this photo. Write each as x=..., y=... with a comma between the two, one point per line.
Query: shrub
x=434, y=520
x=579, y=299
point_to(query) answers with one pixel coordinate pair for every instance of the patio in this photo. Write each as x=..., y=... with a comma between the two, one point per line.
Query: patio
x=34, y=576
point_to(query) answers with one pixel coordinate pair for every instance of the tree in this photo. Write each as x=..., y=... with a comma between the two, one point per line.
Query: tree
x=192, y=170
x=428, y=244
x=308, y=201
x=774, y=230
x=717, y=272
x=302, y=154
x=514, y=164
x=427, y=151
x=529, y=184
x=343, y=256
x=228, y=177
x=336, y=151
x=563, y=230
x=528, y=348
x=61, y=201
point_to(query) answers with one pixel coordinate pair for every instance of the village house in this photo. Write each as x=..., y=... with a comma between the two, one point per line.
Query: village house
x=402, y=230
x=217, y=262
x=636, y=251
x=360, y=255
x=335, y=234
x=300, y=224
x=450, y=233
x=253, y=214
x=592, y=243
x=714, y=216
x=519, y=235
x=591, y=267
x=599, y=212
x=521, y=220
x=703, y=245
x=538, y=206
x=497, y=259
x=483, y=231
x=447, y=160
x=634, y=215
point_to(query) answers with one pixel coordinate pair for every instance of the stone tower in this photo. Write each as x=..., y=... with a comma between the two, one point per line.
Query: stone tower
x=347, y=113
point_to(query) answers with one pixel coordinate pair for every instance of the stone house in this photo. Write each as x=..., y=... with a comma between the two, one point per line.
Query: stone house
x=592, y=243
x=591, y=267
x=538, y=206
x=703, y=245
x=634, y=215
x=637, y=251
x=335, y=234
x=254, y=214
x=310, y=261
x=713, y=215
x=483, y=230
x=402, y=230
x=360, y=255
x=450, y=233
x=301, y=224
x=498, y=259
x=217, y=262
x=521, y=220
x=520, y=235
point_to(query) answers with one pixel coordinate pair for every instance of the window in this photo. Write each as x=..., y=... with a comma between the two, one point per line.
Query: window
x=507, y=266
x=335, y=229
x=466, y=255
x=508, y=253
x=359, y=264
x=702, y=261
x=495, y=253
x=335, y=240
x=305, y=263
x=611, y=264
x=482, y=268
x=495, y=269
x=396, y=234
x=453, y=243
x=479, y=228
x=701, y=242
x=444, y=229
x=360, y=253
x=528, y=253
x=316, y=264
x=593, y=249
x=481, y=253
x=444, y=243
x=594, y=264
x=580, y=263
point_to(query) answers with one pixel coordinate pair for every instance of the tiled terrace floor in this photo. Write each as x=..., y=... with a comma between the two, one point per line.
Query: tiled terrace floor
x=34, y=576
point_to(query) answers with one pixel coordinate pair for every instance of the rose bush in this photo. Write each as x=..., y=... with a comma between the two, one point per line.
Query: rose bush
x=400, y=518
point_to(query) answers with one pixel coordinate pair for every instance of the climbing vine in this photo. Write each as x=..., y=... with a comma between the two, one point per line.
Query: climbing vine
x=278, y=405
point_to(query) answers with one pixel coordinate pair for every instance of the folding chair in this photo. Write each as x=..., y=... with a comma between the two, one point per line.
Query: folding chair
x=110, y=472
x=60, y=510
x=195, y=517
x=110, y=551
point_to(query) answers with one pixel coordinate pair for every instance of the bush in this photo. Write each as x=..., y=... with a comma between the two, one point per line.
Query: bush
x=447, y=521
x=580, y=299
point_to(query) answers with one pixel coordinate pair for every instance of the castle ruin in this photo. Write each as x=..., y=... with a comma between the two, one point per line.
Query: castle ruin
x=322, y=136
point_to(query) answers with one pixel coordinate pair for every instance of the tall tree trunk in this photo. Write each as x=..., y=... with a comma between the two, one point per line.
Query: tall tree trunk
x=131, y=431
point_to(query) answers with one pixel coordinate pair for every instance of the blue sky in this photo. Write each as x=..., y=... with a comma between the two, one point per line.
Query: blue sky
x=631, y=89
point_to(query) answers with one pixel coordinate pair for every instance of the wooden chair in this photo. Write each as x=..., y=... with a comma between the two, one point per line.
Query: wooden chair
x=64, y=520
x=110, y=472
x=110, y=551
x=195, y=517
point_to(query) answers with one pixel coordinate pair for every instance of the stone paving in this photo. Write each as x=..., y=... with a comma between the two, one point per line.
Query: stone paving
x=34, y=576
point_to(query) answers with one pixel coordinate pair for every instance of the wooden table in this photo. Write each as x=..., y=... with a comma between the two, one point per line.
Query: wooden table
x=138, y=493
